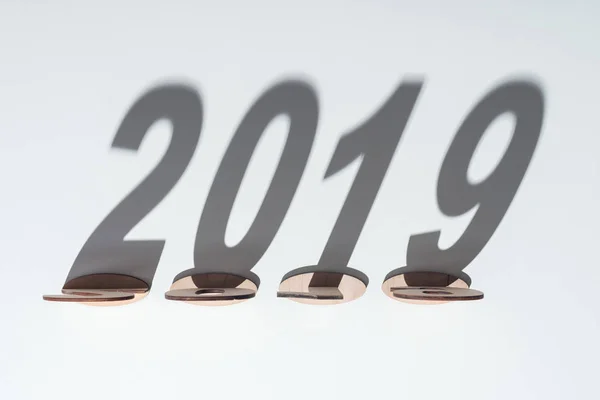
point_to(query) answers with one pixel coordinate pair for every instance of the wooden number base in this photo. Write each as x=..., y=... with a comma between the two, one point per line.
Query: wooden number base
x=317, y=286
x=210, y=294
x=428, y=287
x=436, y=294
x=314, y=293
x=212, y=289
x=88, y=296
x=101, y=290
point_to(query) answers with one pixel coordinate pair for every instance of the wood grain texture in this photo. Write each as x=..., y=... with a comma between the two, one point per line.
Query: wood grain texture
x=212, y=294
x=89, y=296
x=436, y=294
x=212, y=280
x=422, y=279
x=298, y=288
x=102, y=290
x=314, y=293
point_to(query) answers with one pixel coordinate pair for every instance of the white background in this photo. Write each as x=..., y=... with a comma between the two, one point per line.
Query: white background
x=68, y=74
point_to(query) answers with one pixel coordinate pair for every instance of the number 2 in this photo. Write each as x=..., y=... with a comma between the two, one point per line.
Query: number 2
x=106, y=251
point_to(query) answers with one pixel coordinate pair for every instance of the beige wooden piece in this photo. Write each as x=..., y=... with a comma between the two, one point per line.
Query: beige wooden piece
x=101, y=290
x=210, y=294
x=88, y=296
x=225, y=297
x=297, y=289
x=314, y=293
x=422, y=279
x=436, y=293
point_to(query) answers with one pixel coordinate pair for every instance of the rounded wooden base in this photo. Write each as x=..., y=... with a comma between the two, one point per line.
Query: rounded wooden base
x=436, y=294
x=213, y=289
x=319, y=286
x=102, y=290
x=428, y=287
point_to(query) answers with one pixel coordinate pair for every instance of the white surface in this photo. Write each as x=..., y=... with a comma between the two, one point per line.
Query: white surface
x=68, y=74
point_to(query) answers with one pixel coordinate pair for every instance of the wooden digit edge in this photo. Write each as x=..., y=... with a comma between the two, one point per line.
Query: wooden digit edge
x=186, y=284
x=437, y=294
x=102, y=289
x=335, y=285
x=411, y=277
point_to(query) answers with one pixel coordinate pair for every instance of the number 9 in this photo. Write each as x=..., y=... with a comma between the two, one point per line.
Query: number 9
x=456, y=195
